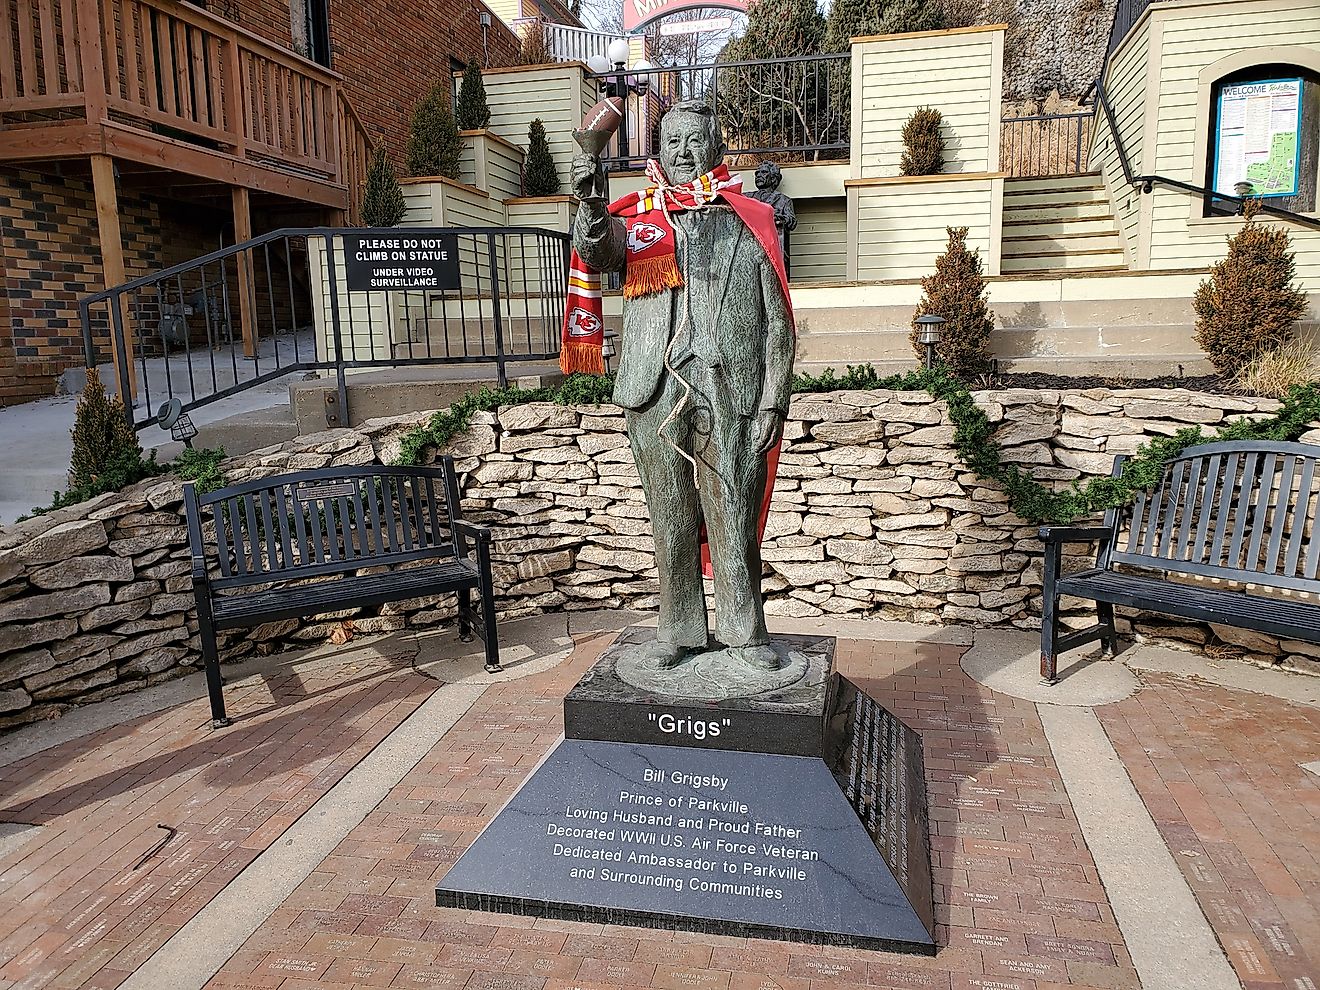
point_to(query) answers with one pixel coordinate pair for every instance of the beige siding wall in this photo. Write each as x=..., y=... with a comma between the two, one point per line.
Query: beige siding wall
x=819, y=245
x=363, y=316
x=1189, y=39
x=503, y=170
x=536, y=262
x=553, y=93
x=956, y=72
x=899, y=226
x=1125, y=89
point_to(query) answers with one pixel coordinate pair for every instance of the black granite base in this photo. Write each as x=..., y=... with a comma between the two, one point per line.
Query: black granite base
x=831, y=847
x=785, y=720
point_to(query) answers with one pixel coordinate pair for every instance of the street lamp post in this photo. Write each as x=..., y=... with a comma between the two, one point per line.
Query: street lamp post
x=612, y=67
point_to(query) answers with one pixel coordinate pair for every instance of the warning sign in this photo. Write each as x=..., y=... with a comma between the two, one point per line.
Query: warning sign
x=380, y=261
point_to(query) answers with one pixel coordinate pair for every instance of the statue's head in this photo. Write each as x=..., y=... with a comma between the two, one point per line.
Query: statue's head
x=690, y=141
x=768, y=176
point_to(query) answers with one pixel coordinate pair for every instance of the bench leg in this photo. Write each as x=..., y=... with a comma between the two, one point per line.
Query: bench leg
x=1110, y=636
x=487, y=591
x=1049, y=617
x=465, y=614
x=211, y=659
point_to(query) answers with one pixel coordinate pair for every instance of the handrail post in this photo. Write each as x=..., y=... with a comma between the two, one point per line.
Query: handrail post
x=501, y=377
x=235, y=119
x=340, y=416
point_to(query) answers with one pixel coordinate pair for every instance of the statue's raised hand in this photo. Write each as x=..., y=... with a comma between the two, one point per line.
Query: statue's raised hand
x=588, y=177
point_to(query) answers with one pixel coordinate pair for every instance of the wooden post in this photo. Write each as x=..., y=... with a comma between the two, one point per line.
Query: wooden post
x=246, y=284
x=112, y=262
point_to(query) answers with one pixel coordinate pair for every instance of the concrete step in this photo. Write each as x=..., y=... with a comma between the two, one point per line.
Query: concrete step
x=1073, y=210
x=1078, y=195
x=1051, y=243
x=238, y=434
x=1078, y=261
x=1059, y=226
x=1053, y=183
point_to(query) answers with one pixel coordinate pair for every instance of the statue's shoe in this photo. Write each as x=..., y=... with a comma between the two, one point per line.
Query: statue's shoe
x=760, y=657
x=663, y=656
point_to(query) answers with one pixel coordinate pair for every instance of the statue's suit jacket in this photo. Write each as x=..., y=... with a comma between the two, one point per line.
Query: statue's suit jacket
x=741, y=328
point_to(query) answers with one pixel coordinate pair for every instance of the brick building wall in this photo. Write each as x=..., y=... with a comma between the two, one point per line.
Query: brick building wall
x=390, y=53
x=51, y=259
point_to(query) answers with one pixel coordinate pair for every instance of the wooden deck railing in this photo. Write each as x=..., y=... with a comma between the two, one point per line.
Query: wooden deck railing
x=176, y=69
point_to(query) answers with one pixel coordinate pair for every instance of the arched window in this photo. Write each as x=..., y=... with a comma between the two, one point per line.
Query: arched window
x=1264, y=138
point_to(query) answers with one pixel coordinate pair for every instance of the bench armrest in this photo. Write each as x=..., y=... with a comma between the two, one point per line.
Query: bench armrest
x=475, y=531
x=1074, y=534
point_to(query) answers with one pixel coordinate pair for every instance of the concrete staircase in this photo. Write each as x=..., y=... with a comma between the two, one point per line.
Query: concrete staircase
x=1059, y=224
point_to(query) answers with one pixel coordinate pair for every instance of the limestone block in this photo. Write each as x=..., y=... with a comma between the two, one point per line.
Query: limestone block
x=156, y=661
x=782, y=524
x=1094, y=402
x=536, y=416
x=168, y=604
x=842, y=604
x=914, y=520
x=108, y=615
x=622, y=560
x=849, y=434
x=1081, y=425
x=14, y=699
x=494, y=472
x=968, y=565
x=70, y=539
x=594, y=423
x=922, y=412
x=774, y=553
x=77, y=685
x=865, y=552
x=922, y=455
x=805, y=575
x=1032, y=453
x=25, y=664
x=83, y=570
x=595, y=443
x=818, y=409
x=57, y=603
x=975, y=616
x=887, y=588
x=1183, y=412
x=849, y=455
x=128, y=648
x=158, y=539
x=793, y=608
x=825, y=526
x=1087, y=463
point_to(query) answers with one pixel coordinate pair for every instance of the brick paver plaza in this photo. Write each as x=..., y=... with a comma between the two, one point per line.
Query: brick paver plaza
x=1020, y=903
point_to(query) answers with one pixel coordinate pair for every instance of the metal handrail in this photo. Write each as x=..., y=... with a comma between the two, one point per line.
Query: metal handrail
x=1147, y=183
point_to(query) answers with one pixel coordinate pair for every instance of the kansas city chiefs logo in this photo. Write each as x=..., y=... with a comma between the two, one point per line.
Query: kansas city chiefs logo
x=582, y=324
x=642, y=235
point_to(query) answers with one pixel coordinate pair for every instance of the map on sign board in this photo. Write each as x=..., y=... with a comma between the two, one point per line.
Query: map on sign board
x=1259, y=127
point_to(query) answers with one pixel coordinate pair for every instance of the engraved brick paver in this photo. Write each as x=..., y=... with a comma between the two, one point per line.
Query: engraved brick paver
x=1018, y=903
x=85, y=905
x=1219, y=772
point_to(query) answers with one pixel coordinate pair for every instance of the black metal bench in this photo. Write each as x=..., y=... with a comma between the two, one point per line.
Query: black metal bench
x=1237, y=512
x=297, y=544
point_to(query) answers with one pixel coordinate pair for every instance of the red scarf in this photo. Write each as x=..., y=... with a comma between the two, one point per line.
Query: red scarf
x=651, y=265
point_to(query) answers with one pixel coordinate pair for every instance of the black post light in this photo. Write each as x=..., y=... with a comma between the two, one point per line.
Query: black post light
x=929, y=333
x=170, y=416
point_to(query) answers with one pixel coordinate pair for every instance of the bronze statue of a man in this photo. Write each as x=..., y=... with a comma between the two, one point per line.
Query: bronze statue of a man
x=704, y=374
x=768, y=177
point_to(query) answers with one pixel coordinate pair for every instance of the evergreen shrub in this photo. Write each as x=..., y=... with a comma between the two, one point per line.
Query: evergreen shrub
x=1249, y=304
x=382, y=202
x=434, y=145
x=956, y=291
x=540, y=177
x=473, y=112
x=923, y=144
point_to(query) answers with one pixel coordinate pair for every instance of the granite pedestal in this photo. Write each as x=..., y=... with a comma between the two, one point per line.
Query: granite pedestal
x=798, y=812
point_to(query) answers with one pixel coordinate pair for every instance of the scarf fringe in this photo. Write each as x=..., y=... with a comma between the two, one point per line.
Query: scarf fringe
x=647, y=276
x=584, y=358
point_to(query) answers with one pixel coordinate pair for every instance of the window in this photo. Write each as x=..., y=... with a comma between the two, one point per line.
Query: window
x=311, y=29
x=1264, y=138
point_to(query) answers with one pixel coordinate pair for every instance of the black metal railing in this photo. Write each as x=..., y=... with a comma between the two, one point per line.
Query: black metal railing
x=1214, y=201
x=787, y=110
x=1047, y=144
x=279, y=304
x=1126, y=14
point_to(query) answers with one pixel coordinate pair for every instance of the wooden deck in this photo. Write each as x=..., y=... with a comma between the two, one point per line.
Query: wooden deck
x=161, y=84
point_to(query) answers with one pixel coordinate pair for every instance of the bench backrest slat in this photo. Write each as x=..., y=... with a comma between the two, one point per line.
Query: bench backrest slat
x=1241, y=511
x=1297, y=532
x=327, y=522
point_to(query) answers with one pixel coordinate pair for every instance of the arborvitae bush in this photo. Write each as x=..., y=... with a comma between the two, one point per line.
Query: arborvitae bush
x=956, y=291
x=1249, y=304
x=434, y=146
x=473, y=113
x=923, y=144
x=382, y=201
x=778, y=29
x=540, y=177
x=106, y=453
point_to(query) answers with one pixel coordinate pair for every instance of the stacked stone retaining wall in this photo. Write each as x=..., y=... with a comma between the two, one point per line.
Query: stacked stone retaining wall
x=874, y=515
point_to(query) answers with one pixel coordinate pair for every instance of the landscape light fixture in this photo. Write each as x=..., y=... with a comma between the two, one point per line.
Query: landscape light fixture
x=929, y=334
x=170, y=416
x=607, y=350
